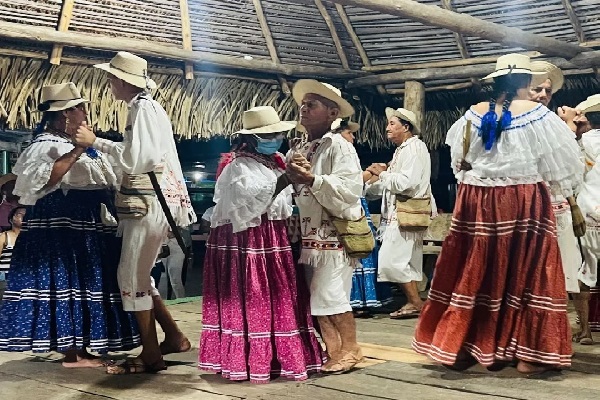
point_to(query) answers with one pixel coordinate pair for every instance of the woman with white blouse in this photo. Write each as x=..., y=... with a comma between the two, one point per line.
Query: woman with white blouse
x=63, y=294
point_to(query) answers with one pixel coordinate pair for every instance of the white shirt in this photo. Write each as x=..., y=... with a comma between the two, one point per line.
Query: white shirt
x=148, y=143
x=244, y=192
x=589, y=197
x=35, y=164
x=336, y=191
x=537, y=146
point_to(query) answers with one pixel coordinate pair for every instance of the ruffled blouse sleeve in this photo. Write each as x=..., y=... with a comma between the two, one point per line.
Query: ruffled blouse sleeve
x=35, y=164
x=243, y=194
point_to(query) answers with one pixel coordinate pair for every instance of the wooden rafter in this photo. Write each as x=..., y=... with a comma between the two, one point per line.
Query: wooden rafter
x=334, y=35
x=186, y=36
x=40, y=34
x=460, y=40
x=574, y=20
x=63, y=25
x=264, y=26
x=467, y=25
x=356, y=41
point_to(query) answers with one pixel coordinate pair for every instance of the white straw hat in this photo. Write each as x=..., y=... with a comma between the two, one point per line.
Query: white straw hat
x=512, y=63
x=591, y=104
x=550, y=71
x=305, y=86
x=130, y=68
x=404, y=115
x=264, y=119
x=353, y=126
x=60, y=97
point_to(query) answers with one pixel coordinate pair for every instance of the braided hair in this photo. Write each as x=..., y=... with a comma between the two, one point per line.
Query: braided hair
x=506, y=85
x=47, y=117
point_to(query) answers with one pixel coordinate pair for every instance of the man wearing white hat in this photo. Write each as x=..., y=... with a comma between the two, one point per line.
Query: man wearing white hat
x=148, y=146
x=327, y=181
x=543, y=87
x=407, y=176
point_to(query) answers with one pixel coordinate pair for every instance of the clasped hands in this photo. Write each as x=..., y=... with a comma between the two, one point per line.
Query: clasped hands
x=84, y=137
x=298, y=170
x=377, y=168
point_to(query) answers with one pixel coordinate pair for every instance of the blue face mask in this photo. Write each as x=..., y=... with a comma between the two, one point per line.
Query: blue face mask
x=269, y=146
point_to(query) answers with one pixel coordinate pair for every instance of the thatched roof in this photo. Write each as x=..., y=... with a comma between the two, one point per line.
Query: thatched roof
x=245, y=51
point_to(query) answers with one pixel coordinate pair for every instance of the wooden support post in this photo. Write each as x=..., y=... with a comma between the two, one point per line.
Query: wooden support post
x=63, y=25
x=186, y=36
x=357, y=43
x=574, y=20
x=414, y=100
x=266, y=31
x=431, y=15
x=334, y=35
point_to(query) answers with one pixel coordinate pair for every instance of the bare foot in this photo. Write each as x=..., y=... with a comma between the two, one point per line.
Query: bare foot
x=528, y=368
x=85, y=363
x=179, y=344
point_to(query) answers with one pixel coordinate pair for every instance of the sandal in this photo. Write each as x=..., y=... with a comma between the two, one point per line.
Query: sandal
x=406, y=312
x=136, y=366
x=345, y=364
x=168, y=348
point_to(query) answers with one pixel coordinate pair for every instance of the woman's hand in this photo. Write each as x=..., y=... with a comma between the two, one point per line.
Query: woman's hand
x=377, y=168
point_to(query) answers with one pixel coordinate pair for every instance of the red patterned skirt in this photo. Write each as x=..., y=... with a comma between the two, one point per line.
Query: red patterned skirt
x=256, y=321
x=498, y=290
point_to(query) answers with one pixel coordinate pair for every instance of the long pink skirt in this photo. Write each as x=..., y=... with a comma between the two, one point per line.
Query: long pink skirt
x=498, y=291
x=256, y=321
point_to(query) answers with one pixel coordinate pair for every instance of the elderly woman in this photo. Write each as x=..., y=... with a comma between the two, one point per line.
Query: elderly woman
x=62, y=294
x=498, y=293
x=255, y=314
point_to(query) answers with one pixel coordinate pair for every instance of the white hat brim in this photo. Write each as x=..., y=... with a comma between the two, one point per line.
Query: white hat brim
x=7, y=178
x=137, y=81
x=65, y=105
x=305, y=86
x=589, y=105
x=392, y=112
x=556, y=77
x=502, y=72
x=282, y=126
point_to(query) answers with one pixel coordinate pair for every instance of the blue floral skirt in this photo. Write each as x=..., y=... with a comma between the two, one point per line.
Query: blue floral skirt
x=62, y=288
x=366, y=291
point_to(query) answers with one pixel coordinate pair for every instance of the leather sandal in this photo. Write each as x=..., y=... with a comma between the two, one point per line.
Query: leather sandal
x=136, y=366
x=345, y=364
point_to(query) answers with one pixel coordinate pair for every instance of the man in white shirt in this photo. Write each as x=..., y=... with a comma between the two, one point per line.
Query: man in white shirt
x=408, y=174
x=148, y=146
x=327, y=181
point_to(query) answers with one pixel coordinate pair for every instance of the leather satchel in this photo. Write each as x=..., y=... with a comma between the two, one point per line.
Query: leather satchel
x=356, y=236
x=413, y=213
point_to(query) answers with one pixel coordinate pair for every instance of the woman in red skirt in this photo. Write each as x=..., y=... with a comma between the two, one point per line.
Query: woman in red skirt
x=498, y=294
x=256, y=320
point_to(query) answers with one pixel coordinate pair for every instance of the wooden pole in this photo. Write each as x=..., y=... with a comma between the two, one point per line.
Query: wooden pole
x=574, y=20
x=467, y=25
x=334, y=35
x=63, y=25
x=38, y=34
x=264, y=26
x=186, y=36
x=414, y=100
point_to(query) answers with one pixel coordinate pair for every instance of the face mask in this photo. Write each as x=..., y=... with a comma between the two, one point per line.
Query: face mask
x=268, y=146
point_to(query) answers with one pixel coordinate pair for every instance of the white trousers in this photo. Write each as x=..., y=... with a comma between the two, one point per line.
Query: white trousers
x=569, y=250
x=590, y=243
x=142, y=240
x=174, y=267
x=330, y=284
x=400, y=255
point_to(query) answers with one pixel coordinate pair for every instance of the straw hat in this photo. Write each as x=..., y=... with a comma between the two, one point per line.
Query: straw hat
x=130, y=68
x=591, y=104
x=60, y=97
x=264, y=119
x=404, y=115
x=7, y=178
x=353, y=126
x=512, y=63
x=305, y=86
x=551, y=72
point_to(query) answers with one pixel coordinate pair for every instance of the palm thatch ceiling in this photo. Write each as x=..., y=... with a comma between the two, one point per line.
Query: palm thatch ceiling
x=372, y=45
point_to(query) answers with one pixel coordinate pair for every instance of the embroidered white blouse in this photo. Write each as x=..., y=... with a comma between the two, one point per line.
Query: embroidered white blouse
x=589, y=197
x=537, y=146
x=34, y=166
x=148, y=143
x=336, y=191
x=243, y=193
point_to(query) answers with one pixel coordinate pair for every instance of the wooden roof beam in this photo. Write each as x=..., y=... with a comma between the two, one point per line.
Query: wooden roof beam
x=460, y=40
x=39, y=34
x=334, y=35
x=356, y=41
x=467, y=25
x=574, y=20
x=266, y=31
x=186, y=36
x=64, y=21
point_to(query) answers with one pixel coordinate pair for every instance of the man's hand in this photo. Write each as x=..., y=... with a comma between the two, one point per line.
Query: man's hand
x=377, y=168
x=84, y=136
x=582, y=124
x=464, y=166
x=299, y=174
x=301, y=161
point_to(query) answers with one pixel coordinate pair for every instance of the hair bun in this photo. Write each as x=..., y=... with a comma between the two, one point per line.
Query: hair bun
x=44, y=106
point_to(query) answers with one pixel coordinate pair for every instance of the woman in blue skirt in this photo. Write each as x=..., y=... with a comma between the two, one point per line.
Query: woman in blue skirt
x=62, y=293
x=366, y=293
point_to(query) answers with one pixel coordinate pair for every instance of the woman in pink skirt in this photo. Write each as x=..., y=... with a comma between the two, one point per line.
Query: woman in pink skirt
x=256, y=320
